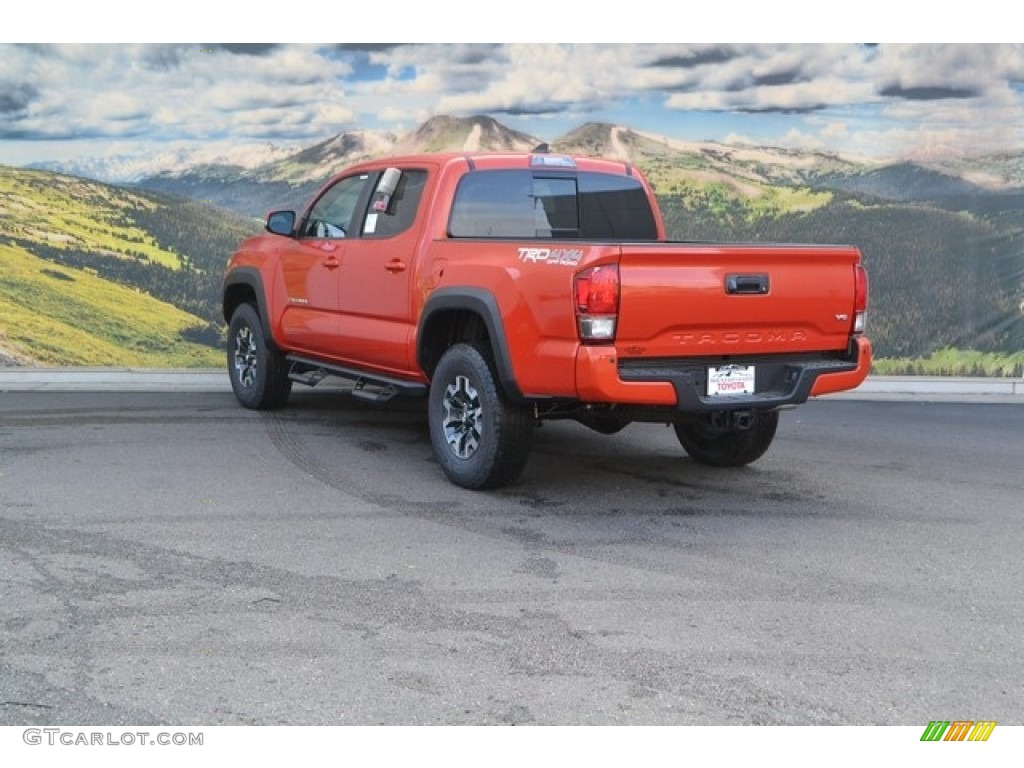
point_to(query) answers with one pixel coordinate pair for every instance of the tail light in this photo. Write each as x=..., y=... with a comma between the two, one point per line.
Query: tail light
x=597, y=302
x=860, y=298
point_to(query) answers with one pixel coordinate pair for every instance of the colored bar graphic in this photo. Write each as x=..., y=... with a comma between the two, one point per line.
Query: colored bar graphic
x=982, y=730
x=958, y=730
x=935, y=730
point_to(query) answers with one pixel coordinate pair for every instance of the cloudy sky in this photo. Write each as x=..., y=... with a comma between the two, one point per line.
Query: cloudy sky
x=64, y=101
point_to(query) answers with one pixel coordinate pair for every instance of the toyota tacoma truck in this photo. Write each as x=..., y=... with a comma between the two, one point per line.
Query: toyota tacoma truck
x=510, y=289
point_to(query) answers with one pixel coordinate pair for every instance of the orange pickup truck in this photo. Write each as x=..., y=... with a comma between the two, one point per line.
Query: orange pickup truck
x=514, y=288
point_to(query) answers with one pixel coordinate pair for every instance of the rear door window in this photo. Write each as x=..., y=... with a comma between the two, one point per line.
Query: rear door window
x=387, y=218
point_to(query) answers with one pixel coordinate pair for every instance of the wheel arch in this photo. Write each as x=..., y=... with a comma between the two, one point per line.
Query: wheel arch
x=245, y=286
x=465, y=313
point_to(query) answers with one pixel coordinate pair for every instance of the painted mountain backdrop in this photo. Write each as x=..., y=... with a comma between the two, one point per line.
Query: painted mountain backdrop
x=942, y=240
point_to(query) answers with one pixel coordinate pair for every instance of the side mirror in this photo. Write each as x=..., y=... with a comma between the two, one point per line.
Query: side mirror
x=281, y=222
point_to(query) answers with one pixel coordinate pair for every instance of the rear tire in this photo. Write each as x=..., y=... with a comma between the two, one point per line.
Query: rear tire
x=480, y=439
x=728, y=447
x=258, y=372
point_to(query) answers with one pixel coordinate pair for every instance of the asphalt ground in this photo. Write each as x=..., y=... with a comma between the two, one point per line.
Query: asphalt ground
x=168, y=557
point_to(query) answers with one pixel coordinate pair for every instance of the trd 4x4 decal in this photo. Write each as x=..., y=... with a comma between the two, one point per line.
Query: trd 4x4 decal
x=563, y=256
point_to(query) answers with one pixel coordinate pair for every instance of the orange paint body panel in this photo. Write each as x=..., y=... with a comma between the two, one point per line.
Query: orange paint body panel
x=597, y=377
x=386, y=295
x=841, y=382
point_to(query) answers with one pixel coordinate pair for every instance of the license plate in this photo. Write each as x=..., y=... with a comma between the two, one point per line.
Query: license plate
x=731, y=380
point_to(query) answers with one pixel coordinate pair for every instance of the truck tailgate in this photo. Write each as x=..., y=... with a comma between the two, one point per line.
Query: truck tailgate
x=687, y=300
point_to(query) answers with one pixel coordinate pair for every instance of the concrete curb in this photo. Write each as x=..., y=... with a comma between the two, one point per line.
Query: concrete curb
x=937, y=388
x=17, y=379
x=114, y=380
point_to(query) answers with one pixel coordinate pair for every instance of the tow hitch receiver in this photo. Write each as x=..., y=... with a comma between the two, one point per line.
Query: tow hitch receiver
x=730, y=420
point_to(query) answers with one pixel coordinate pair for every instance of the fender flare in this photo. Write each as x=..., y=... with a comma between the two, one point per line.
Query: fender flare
x=251, y=278
x=482, y=303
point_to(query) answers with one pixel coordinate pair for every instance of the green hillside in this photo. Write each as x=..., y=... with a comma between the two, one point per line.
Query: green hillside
x=54, y=315
x=92, y=274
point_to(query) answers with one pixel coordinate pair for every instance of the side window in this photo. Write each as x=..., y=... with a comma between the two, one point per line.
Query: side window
x=391, y=216
x=554, y=203
x=521, y=205
x=496, y=204
x=615, y=207
x=515, y=204
x=331, y=215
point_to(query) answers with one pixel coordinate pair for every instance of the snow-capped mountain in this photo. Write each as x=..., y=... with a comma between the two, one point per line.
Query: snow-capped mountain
x=130, y=168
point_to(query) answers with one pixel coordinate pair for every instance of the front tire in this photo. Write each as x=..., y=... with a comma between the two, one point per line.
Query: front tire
x=259, y=375
x=728, y=447
x=479, y=438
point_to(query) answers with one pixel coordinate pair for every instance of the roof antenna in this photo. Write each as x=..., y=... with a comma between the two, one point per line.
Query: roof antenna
x=542, y=148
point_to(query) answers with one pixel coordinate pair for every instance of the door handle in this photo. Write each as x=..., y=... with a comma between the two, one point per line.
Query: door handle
x=331, y=262
x=395, y=265
x=747, y=284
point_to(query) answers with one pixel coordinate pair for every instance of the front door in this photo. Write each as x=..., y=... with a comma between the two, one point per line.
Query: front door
x=312, y=266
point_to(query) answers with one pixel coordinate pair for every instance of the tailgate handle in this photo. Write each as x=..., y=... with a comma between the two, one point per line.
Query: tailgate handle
x=755, y=284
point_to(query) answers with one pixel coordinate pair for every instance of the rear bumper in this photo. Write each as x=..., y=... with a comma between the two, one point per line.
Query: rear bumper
x=681, y=383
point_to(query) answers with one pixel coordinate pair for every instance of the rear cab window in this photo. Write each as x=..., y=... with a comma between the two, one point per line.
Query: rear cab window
x=544, y=204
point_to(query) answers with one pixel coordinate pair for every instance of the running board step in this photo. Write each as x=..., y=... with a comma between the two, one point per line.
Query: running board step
x=372, y=393
x=309, y=378
x=372, y=387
